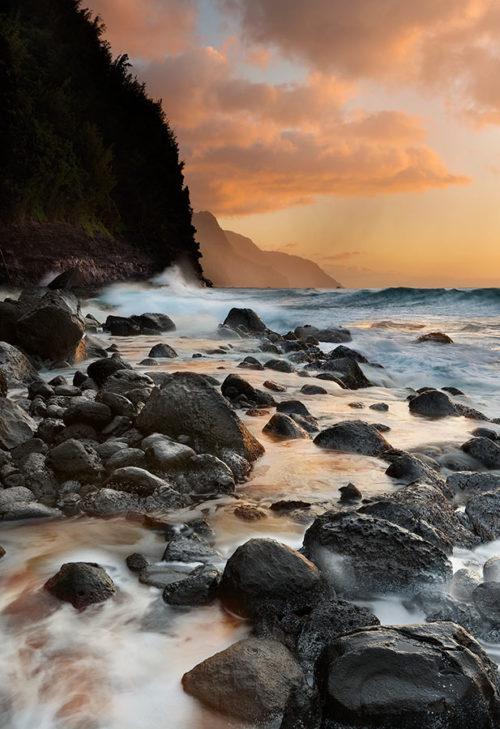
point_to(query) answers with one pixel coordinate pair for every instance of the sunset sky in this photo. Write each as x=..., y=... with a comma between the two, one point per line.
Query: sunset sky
x=364, y=134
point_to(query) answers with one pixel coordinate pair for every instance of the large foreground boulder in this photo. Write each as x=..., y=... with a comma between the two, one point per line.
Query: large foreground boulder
x=432, y=404
x=353, y=436
x=263, y=570
x=418, y=677
x=51, y=326
x=251, y=680
x=246, y=318
x=188, y=405
x=364, y=556
x=81, y=584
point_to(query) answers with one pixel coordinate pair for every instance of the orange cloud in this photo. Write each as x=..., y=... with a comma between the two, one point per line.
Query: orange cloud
x=149, y=28
x=254, y=147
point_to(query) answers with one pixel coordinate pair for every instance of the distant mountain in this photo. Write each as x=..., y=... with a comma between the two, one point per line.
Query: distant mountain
x=230, y=259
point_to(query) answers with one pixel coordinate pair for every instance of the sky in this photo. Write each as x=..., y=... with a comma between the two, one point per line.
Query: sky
x=364, y=134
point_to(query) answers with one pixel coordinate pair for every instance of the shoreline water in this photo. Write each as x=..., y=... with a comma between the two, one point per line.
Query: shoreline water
x=295, y=469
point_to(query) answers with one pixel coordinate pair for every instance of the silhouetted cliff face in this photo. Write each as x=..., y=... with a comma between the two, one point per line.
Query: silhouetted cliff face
x=82, y=144
x=231, y=259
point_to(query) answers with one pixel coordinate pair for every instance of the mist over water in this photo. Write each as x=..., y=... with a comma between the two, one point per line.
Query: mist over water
x=119, y=665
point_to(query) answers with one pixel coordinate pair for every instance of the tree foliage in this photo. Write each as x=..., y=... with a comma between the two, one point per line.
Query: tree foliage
x=80, y=140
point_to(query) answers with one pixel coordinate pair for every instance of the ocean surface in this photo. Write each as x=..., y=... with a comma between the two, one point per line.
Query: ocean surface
x=119, y=665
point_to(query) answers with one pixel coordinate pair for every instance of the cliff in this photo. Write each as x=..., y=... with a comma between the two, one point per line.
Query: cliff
x=90, y=168
x=231, y=259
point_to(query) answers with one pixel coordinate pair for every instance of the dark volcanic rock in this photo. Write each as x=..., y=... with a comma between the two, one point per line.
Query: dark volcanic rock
x=96, y=414
x=199, y=588
x=188, y=405
x=16, y=426
x=246, y=318
x=235, y=386
x=101, y=369
x=162, y=350
x=486, y=598
x=484, y=451
x=15, y=365
x=51, y=326
x=313, y=390
x=484, y=512
x=264, y=570
x=132, y=479
x=280, y=365
x=328, y=334
x=465, y=483
x=340, y=352
x=353, y=436
x=363, y=555
x=348, y=371
x=282, y=426
x=250, y=680
x=81, y=584
x=437, y=337
x=73, y=459
x=432, y=404
x=417, y=677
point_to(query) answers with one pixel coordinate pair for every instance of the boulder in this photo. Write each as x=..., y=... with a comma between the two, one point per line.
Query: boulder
x=205, y=474
x=199, y=588
x=332, y=335
x=135, y=480
x=71, y=278
x=162, y=350
x=353, y=436
x=81, y=583
x=74, y=459
x=491, y=569
x=341, y=351
x=282, y=426
x=96, y=414
x=16, y=366
x=313, y=390
x=484, y=451
x=51, y=326
x=348, y=370
x=251, y=680
x=437, y=337
x=246, y=318
x=16, y=426
x=234, y=387
x=187, y=405
x=470, y=483
x=432, y=404
x=416, y=676
x=279, y=365
x=484, y=512
x=129, y=383
x=263, y=570
x=486, y=598
x=165, y=454
x=103, y=368
x=363, y=556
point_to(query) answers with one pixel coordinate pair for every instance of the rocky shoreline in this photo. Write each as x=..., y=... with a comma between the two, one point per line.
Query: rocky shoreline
x=114, y=440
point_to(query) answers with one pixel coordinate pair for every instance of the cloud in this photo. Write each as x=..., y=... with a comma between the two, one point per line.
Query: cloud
x=450, y=45
x=147, y=28
x=254, y=146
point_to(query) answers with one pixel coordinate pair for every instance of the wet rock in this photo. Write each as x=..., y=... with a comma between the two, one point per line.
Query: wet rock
x=249, y=512
x=163, y=350
x=16, y=366
x=350, y=493
x=491, y=569
x=486, y=598
x=81, y=583
x=484, y=512
x=438, y=605
x=274, y=386
x=437, y=337
x=16, y=426
x=468, y=483
x=39, y=477
x=463, y=583
x=129, y=383
x=110, y=502
x=148, y=362
x=137, y=562
x=407, y=467
x=189, y=548
x=469, y=412
x=282, y=426
x=363, y=556
x=293, y=407
x=432, y=404
x=51, y=326
x=484, y=433
x=331, y=378
x=118, y=404
x=199, y=588
x=188, y=405
x=348, y=371
x=246, y=318
x=313, y=390
x=427, y=676
x=382, y=407
x=126, y=457
x=132, y=479
x=73, y=459
x=356, y=405
x=332, y=335
x=263, y=570
x=21, y=510
x=280, y=365
x=353, y=436
x=235, y=386
x=69, y=279
x=251, y=680
x=205, y=474
x=101, y=369
x=96, y=414
x=484, y=451
x=250, y=363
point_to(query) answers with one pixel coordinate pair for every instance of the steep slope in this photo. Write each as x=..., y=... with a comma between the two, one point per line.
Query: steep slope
x=222, y=263
x=230, y=259
x=298, y=272
x=84, y=146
